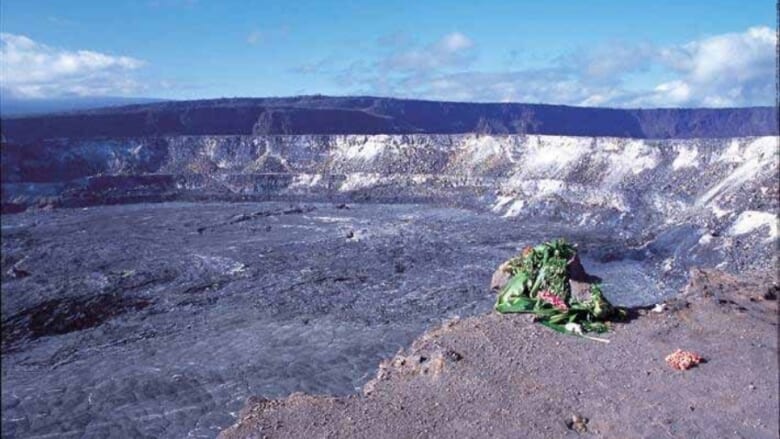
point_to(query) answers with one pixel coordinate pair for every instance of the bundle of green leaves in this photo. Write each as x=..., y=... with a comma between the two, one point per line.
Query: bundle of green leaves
x=539, y=284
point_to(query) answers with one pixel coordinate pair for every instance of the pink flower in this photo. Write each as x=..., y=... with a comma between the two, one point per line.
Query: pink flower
x=553, y=300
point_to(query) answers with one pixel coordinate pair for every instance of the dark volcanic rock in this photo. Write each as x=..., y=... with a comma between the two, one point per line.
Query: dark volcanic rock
x=155, y=329
x=61, y=316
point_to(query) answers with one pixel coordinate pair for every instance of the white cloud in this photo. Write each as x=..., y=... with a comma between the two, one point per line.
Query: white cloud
x=727, y=70
x=733, y=69
x=254, y=37
x=32, y=69
x=268, y=35
x=674, y=92
x=729, y=54
x=451, y=50
x=606, y=62
x=455, y=42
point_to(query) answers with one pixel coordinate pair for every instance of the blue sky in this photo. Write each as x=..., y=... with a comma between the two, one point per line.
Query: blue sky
x=605, y=53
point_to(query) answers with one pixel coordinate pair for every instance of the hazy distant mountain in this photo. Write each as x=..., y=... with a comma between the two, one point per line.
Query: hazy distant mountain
x=372, y=115
x=10, y=106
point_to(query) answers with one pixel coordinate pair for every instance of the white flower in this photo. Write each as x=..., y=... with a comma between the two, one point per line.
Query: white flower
x=573, y=327
x=659, y=308
x=577, y=329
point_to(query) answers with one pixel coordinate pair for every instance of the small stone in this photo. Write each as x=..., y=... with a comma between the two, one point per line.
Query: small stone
x=350, y=234
x=578, y=423
x=18, y=273
x=453, y=355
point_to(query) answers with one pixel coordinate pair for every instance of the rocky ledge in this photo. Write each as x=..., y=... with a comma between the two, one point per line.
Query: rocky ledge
x=504, y=376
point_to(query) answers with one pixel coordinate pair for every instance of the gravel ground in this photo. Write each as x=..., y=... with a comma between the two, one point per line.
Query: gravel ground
x=502, y=376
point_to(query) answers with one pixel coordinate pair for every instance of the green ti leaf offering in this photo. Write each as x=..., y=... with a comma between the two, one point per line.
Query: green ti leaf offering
x=540, y=285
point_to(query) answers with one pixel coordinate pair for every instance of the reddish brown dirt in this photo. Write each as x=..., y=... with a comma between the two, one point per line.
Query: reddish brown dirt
x=502, y=376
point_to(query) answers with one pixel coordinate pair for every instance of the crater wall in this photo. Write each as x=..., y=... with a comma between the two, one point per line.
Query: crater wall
x=724, y=188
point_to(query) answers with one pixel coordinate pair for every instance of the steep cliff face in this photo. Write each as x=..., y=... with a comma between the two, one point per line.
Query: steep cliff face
x=588, y=164
x=512, y=175
x=721, y=187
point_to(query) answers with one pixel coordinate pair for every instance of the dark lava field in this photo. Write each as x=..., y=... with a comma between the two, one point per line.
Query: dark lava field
x=159, y=320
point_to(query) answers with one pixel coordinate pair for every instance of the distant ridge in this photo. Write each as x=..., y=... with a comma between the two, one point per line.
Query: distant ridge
x=374, y=115
x=13, y=107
